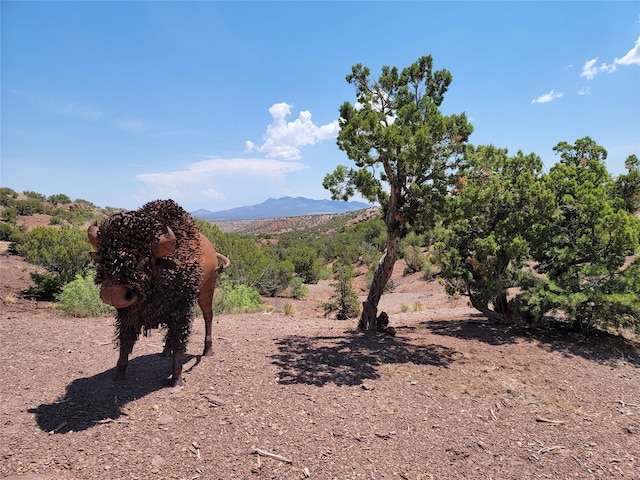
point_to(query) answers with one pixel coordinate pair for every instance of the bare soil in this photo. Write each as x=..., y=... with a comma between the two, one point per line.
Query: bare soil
x=295, y=396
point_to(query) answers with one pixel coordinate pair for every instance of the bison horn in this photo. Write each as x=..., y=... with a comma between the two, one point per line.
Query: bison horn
x=165, y=246
x=92, y=233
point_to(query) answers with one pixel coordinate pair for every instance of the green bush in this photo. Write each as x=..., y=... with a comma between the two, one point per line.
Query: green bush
x=7, y=197
x=10, y=215
x=47, y=286
x=63, y=251
x=5, y=231
x=344, y=302
x=59, y=198
x=235, y=298
x=81, y=298
x=298, y=289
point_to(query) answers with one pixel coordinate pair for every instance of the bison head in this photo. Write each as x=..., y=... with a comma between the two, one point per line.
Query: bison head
x=131, y=250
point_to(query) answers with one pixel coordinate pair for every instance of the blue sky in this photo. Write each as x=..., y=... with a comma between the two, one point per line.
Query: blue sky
x=225, y=104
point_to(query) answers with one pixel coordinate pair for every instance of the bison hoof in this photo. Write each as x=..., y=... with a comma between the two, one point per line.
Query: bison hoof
x=118, y=376
x=174, y=381
x=208, y=352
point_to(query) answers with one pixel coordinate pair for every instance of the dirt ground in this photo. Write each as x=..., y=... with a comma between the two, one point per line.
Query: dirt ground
x=301, y=396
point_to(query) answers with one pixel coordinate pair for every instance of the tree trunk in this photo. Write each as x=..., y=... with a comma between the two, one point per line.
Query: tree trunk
x=502, y=312
x=381, y=277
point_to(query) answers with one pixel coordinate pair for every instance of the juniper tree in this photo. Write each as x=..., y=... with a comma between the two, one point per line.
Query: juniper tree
x=403, y=148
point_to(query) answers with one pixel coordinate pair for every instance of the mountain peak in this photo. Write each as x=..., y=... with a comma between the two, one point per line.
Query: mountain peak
x=282, y=207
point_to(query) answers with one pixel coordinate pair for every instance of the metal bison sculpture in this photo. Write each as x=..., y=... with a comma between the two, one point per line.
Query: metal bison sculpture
x=152, y=264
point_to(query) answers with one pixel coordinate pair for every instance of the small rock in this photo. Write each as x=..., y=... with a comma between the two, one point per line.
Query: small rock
x=157, y=461
x=165, y=419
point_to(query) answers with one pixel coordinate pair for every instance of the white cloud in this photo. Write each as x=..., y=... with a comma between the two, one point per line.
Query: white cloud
x=283, y=139
x=228, y=181
x=547, y=97
x=590, y=69
x=584, y=91
x=206, y=170
x=632, y=57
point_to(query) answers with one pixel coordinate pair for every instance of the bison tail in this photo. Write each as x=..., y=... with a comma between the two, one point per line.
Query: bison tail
x=226, y=264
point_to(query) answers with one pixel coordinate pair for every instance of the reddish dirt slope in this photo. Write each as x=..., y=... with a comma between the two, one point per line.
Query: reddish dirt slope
x=291, y=397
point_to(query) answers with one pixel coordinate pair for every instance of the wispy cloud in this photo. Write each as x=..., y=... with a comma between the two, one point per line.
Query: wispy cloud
x=632, y=57
x=66, y=107
x=284, y=139
x=584, y=91
x=219, y=178
x=131, y=125
x=204, y=171
x=78, y=110
x=547, y=97
x=590, y=68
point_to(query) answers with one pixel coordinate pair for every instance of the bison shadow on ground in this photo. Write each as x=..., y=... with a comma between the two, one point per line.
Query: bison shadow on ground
x=598, y=346
x=92, y=400
x=350, y=359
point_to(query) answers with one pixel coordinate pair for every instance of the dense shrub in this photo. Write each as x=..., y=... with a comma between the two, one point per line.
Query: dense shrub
x=64, y=251
x=81, y=298
x=5, y=231
x=7, y=197
x=59, y=198
x=233, y=298
x=47, y=286
x=298, y=289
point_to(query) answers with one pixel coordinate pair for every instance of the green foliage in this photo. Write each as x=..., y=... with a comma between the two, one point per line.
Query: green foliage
x=304, y=258
x=10, y=215
x=275, y=278
x=401, y=143
x=59, y=198
x=34, y=196
x=344, y=302
x=6, y=231
x=414, y=259
x=63, y=251
x=403, y=148
x=47, y=286
x=497, y=208
x=235, y=298
x=7, y=197
x=251, y=264
x=627, y=186
x=298, y=289
x=524, y=245
x=81, y=298
x=31, y=206
x=582, y=250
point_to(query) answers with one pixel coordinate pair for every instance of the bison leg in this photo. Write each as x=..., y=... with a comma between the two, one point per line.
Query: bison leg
x=205, y=301
x=126, y=337
x=176, y=368
x=166, y=352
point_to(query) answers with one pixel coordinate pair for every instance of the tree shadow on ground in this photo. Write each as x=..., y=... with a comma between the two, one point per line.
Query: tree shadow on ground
x=351, y=358
x=599, y=346
x=96, y=399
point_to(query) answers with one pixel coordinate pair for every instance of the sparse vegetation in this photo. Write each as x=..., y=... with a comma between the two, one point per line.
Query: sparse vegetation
x=344, y=302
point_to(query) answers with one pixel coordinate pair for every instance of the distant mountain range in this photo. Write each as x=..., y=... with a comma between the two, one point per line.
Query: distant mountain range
x=282, y=207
